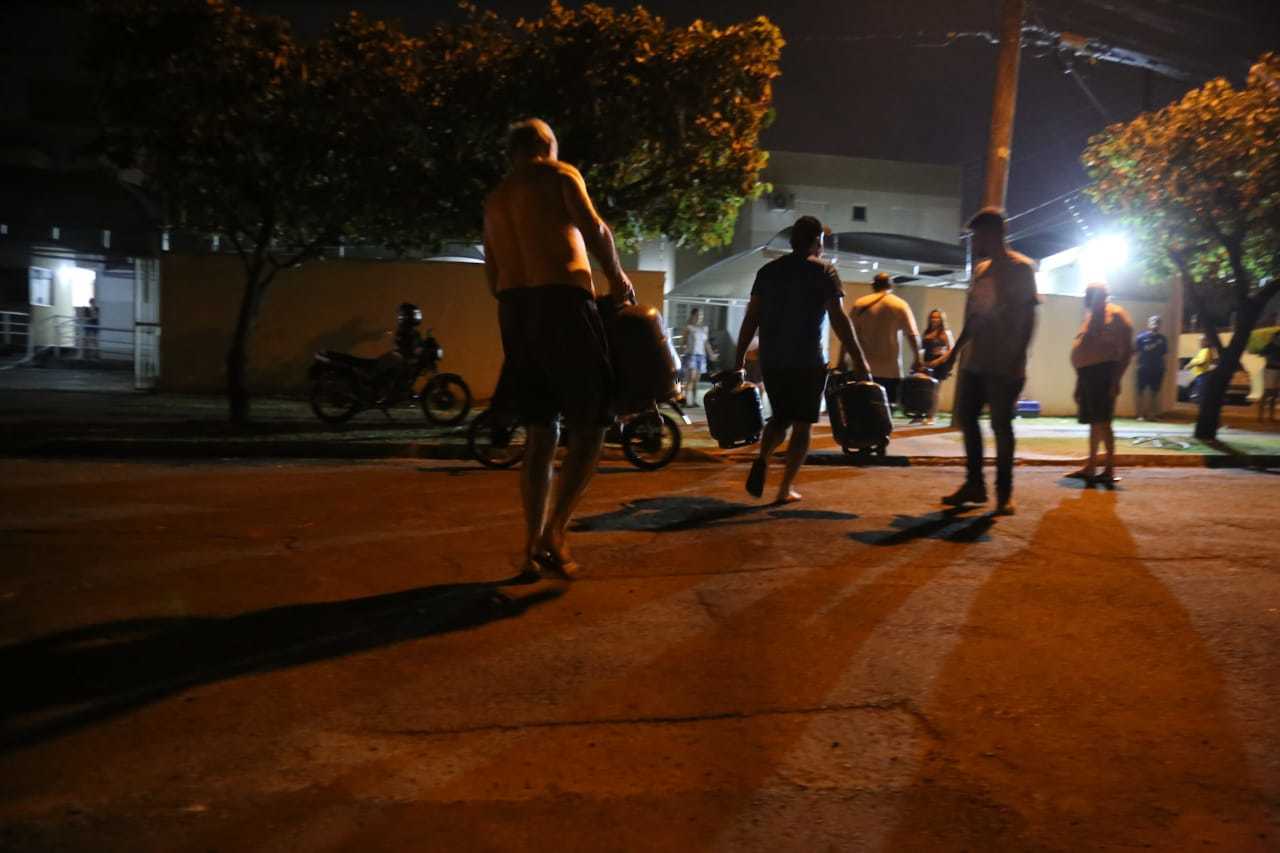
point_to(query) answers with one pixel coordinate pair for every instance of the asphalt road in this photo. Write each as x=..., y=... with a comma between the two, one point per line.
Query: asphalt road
x=322, y=657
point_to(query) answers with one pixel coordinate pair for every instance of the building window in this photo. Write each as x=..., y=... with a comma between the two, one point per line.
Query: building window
x=40, y=284
x=859, y=213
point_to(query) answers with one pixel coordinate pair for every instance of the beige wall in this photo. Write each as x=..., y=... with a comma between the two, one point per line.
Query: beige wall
x=342, y=305
x=1050, y=377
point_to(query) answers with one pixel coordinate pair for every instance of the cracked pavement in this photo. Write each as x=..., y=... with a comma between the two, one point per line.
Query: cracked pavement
x=313, y=656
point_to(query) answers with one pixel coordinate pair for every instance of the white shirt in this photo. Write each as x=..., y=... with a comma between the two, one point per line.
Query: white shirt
x=695, y=340
x=880, y=319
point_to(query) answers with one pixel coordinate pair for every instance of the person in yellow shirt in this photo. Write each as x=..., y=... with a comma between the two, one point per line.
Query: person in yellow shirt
x=1200, y=366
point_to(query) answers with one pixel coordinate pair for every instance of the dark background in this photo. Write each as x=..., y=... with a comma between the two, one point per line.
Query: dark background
x=867, y=78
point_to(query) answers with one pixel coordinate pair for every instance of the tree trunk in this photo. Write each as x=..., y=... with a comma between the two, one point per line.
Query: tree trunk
x=1214, y=393
x=238, y=354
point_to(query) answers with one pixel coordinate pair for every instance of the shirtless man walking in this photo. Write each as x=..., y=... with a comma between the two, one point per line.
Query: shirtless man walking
x=539, y=224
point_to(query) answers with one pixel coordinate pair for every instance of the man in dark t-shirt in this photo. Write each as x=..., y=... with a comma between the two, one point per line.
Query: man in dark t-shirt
x=1151, y=347
x=788, y=302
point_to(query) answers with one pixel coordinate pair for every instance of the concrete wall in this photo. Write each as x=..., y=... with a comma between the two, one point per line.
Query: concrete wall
x=1050, y=377
x=342, y=305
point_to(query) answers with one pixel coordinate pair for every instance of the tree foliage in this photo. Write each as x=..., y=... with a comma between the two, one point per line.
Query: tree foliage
x=1198, y=185
x=663, y=121
x=285, y=147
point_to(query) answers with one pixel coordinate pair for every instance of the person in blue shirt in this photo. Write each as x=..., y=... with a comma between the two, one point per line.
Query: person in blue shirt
x=1151, y=348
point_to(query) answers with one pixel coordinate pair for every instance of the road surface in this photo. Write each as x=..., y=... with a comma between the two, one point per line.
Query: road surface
x=325, y=657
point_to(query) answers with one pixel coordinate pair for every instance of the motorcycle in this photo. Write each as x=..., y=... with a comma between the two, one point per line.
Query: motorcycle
x=649, y=439
x=342, y=385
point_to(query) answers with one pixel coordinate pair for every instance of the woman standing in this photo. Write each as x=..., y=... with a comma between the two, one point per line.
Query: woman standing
x=1100, y=354
x=936, y=346
x=697, y=348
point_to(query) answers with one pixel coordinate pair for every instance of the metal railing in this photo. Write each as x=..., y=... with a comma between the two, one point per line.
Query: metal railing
x=89, y=341
x=15, y=330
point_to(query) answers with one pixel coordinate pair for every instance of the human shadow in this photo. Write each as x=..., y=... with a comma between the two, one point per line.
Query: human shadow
x=675, y=513
x=951, y=525
x=65, y=681
x=1081, y=709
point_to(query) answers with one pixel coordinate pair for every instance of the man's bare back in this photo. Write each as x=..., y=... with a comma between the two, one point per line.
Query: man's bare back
x=530, y=226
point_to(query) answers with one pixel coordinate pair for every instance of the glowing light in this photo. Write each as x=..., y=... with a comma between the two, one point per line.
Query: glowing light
x=1101, y=256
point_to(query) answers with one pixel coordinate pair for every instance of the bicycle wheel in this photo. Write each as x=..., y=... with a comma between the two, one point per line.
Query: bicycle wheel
x=446, y=399
x=495, y=445
x=650, y=441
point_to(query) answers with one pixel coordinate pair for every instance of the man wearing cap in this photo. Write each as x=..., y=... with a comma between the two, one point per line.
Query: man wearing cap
x=999, y=319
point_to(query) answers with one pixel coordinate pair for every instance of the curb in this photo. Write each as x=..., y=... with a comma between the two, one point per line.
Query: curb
x=161, y=449
x=176, y=450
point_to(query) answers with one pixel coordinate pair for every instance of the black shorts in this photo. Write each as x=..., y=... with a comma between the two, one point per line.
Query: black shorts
x=1093, y=393
x=1150, y=380
x=557, y=356
x=795, y=393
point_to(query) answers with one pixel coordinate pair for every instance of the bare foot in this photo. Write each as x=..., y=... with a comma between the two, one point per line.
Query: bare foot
x=790, y=497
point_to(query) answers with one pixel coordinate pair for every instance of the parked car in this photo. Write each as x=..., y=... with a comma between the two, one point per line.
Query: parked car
x=1237, y=390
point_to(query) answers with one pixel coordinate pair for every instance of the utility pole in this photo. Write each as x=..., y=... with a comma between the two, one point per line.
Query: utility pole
x=1000, y=143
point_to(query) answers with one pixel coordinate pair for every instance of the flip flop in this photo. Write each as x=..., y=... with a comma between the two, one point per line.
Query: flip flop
x=1079, y=475
x=1107, y=479
x=549, y=562
x=755, y=479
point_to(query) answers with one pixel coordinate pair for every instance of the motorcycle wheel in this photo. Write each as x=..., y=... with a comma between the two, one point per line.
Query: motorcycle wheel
x=334, y=397
x=446, y=399
x=650, y=441
x=499, y=447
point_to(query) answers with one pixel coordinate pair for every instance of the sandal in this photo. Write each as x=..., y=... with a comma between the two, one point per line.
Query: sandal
x=561, y=566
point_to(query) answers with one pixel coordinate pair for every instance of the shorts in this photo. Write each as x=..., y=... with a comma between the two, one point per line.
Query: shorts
x=696, y=362
x=1150, y=380
x=795, y=393
x=557, y=356
x=1093, y=393
x=1271, y=378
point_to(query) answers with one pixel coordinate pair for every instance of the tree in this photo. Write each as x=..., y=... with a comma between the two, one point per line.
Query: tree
x=284, y=148
x=664, y=121
x=1198, y=184
x=280, y=148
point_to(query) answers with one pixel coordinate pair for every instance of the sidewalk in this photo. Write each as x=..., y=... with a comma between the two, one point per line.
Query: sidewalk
x=126, y=425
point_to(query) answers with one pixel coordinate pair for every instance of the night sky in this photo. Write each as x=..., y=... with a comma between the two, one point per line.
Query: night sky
x=867, y=77
x=857, y=80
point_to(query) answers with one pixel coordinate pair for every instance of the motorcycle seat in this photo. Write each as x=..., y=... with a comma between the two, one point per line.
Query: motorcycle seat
x=347, y=359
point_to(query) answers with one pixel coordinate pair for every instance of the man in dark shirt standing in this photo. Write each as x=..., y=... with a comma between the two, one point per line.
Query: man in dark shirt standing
x=1152, y=348
x=790, y=297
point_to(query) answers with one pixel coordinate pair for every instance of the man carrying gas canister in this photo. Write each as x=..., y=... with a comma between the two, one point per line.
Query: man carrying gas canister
x=790, y=297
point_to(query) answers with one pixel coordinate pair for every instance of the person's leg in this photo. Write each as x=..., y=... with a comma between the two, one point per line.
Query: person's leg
x=1003, y=398
x=775, y=430
x=797, y=453
x=694, y=376
x=971, y=393
x=1109, y=442
x=1095, y=438
x=535, y=482
x=582, y=455
x=973, y=397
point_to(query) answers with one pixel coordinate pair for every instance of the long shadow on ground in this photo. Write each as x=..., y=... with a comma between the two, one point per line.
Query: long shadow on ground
x=671, y=514
x=68, y=680
x=951, y=525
